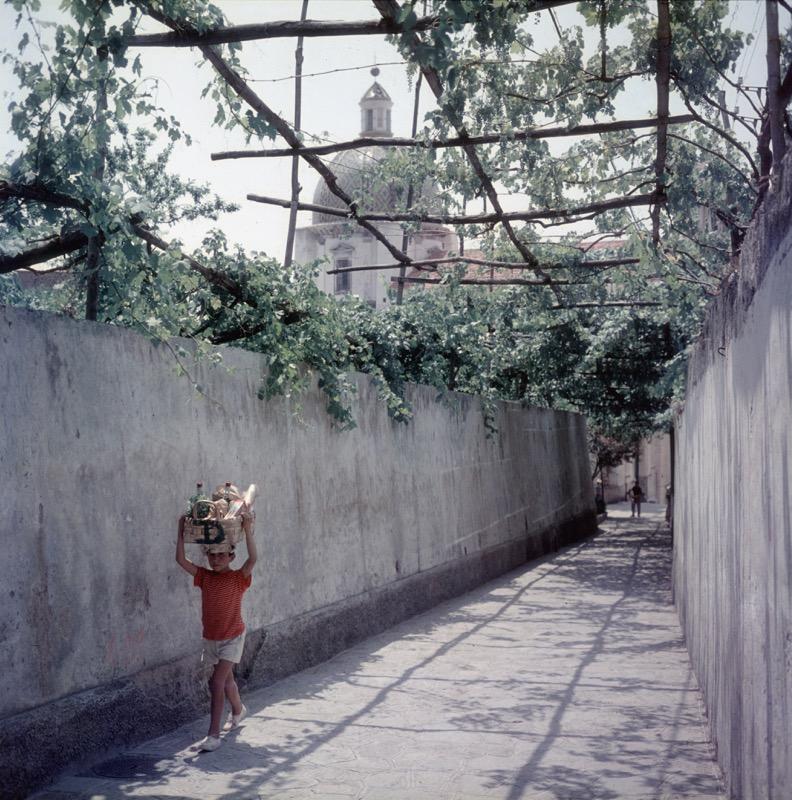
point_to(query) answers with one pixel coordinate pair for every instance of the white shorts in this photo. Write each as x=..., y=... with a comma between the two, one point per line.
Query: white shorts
x=225, y=649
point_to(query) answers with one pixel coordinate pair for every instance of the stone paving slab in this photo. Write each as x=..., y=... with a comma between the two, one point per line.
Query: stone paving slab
x=567, y=679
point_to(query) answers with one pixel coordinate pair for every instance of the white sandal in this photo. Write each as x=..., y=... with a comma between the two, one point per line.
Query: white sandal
x=234, y=719
x=209, y=743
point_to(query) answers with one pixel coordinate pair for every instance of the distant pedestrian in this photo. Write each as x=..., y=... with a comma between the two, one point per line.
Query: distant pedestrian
x=669, y=503
x=636, y=496
x=223, y=629
x=599, y=498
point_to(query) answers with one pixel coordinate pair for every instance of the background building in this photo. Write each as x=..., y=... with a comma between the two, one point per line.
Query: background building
x=346, y=244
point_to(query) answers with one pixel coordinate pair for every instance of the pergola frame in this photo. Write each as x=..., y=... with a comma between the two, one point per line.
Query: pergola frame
x=182, y=34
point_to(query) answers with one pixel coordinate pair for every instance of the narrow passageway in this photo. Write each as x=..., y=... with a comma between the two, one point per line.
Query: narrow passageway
x=565, y=679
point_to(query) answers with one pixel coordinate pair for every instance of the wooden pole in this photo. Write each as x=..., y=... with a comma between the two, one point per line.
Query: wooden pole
x=663, y=77
x=735, y=239
x=410, y=191
x=295, y=181
x=672, y=448
x=774, y=106
x=460, y=234
x=94, y=255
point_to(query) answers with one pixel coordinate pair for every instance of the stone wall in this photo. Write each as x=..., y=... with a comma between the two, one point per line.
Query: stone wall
x=103, y=442
x=733, y=511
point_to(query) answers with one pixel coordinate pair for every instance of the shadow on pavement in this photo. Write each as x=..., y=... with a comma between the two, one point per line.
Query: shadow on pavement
x=576, y=704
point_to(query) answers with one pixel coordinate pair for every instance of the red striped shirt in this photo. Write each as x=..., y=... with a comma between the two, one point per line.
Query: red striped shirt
x=221, y=602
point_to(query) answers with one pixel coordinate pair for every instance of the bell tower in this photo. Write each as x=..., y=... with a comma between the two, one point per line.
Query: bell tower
x=375, y=110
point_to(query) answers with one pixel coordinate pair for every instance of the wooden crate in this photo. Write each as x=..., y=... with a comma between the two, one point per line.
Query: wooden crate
x=226, y=531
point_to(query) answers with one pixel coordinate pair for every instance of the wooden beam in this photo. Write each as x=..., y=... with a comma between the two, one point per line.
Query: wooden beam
x=69, y=242
x=430, y=264
x=301, y=206
x=472, y=219
x=41, y=194
x=274, y=30
x=213, y=276
x=54, y=248
x=613, y=304
x=436, y=144
x=309, y=28
x=492, y=281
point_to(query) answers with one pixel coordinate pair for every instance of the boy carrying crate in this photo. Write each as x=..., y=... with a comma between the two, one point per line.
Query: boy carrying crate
x=223, y=629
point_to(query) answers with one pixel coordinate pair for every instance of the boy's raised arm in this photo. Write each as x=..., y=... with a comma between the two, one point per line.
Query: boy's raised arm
x=182, y=559
x=247, y=525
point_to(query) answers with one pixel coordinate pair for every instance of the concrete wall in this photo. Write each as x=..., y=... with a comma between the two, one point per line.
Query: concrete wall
x=733, y=511
x=101, y=444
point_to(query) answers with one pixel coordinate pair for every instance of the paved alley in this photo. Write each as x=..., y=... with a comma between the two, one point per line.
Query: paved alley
x=566, y=679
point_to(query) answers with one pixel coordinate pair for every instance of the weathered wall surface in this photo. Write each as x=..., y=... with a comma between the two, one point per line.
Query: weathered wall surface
x=102, y=443
x=733, y=512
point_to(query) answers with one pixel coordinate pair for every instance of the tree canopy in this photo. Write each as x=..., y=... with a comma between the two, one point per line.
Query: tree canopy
x=91, y=199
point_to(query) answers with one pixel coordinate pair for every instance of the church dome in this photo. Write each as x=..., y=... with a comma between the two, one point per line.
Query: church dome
x=353, y=168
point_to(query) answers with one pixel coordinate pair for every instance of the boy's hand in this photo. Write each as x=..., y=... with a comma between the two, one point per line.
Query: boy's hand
x=181, y=558
x=248, y=518
x=248, y=521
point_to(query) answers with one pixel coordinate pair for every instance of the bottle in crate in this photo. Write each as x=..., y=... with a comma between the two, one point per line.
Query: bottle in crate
x=202, y=507
x=202, y=525
x=195, y=498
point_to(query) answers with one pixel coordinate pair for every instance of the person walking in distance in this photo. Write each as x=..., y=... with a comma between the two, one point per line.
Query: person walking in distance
x=636, y=496
x=669, y=511
x=223, y=629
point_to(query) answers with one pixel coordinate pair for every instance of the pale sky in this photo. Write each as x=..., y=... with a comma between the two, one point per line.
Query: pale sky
x=330, y=101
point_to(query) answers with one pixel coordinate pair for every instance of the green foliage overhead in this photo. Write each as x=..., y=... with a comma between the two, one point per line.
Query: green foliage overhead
x=94, y=158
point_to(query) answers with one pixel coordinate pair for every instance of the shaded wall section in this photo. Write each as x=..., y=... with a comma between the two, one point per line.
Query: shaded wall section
x=102, y=443
x=733, y=513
